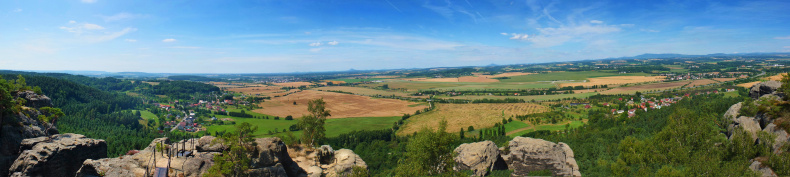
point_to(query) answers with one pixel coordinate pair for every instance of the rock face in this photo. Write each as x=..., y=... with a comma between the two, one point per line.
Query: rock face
x=734, y=111
x=34, y=100
x=20, y=126
x=272, y=152
x=764, y=171
x=781, y=139
x=528, y=154
x=764, y=88
x=480, y=157
x=62, y=155
x=749, y=124
x=324, y=161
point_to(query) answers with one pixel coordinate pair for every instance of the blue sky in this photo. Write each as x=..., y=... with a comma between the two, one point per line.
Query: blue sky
x=329, y=35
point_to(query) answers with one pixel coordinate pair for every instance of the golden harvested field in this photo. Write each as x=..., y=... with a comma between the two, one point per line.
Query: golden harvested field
x=293, y=84
x=264, y=90
x=481, y=78
x=699, y=82
x=615, y=80
x=646, y=87
x=463, y=115
x=341, y=105
x=152, y=83
x=367, y=91
x=724, y=79
x=510, y=74
x=777, y=77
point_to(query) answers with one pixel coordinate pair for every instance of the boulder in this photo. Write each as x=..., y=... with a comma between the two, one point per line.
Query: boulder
x=34, y=100
x=110, y=167
x=529, y=154
x=58, y=155
x=781, y=139
x=208, y=144
x=272, y=171
x=764, y=88
x=734, y=111
x=271, y=152
x=16, y=128
x=325, y=154
x=480, y=157
x=763, y=170
x=344, y=162
x=314, y=171
x=749, y=124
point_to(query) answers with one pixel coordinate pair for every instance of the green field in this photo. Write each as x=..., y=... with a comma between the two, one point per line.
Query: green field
x=557, y=127
x=676, y=70
x=334, y=127
x=356, y=80
x=420, y=85
x=515, y=125
x=560, y=76
x=148, y=116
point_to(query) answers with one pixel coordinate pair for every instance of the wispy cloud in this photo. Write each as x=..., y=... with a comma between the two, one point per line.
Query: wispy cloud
x=17, y=10
x=782, y=37
x=110, y=36
x=121, y=16
x=169, y=40
x=130, y=40
x=79, y=29
x=393, y=6
x=549, y=37
x=185, y=47
x=315, y=44
x=649, y=30
x=88, y=1
x=332, y=43
x=519, y=36
x=596, y=21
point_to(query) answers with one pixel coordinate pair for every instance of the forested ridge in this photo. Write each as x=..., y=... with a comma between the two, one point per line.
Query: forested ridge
x=95, y=113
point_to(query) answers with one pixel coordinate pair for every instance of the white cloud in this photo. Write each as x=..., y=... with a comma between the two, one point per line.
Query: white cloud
x=88, y=1
x=130, y=40
x=549, y=37
x=17, y=10
x=787, y=47
x=110, y=36
x=89, y=26
x=503, y=34
x=333, y=43
x=315, y=44
x=596, y=21
x=72, y=22
x=782, y=37
x=185, y=47
x=519, y=36
x=169, y=40
x=307, y=33
x=316, y=49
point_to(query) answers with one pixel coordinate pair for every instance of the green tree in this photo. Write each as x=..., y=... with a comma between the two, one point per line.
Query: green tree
x=312, y=125
x=49, y=117
x=236, y=159
x=428, y=153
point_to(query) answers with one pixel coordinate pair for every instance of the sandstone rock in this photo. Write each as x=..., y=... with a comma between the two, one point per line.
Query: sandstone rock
x=345, y=161
x=16, y=128
x=764, y=88
x=110, y=167
x=314, y=171
x=781, y=139
x=272, y=151
x=62, y=155
x=272, y=171
x=733, y=112
x=34, y=100
x=764, y=171
x=749, y=124
x=325, y=154
x=198, y=165
x=480, y=157
x=528, y=154
x=208, y=144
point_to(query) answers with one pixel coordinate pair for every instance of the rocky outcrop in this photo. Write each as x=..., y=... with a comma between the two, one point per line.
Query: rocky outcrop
x=19, y=126
x=763, y=170
x=734, y=111
x=271, y=152
x=324, y=161
x=764, y=88
x=34, y=100
x=528, y=154
x=480, y=157
x=58, y=155
x=781, y=137
x=208, y=144
x=749, y=124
